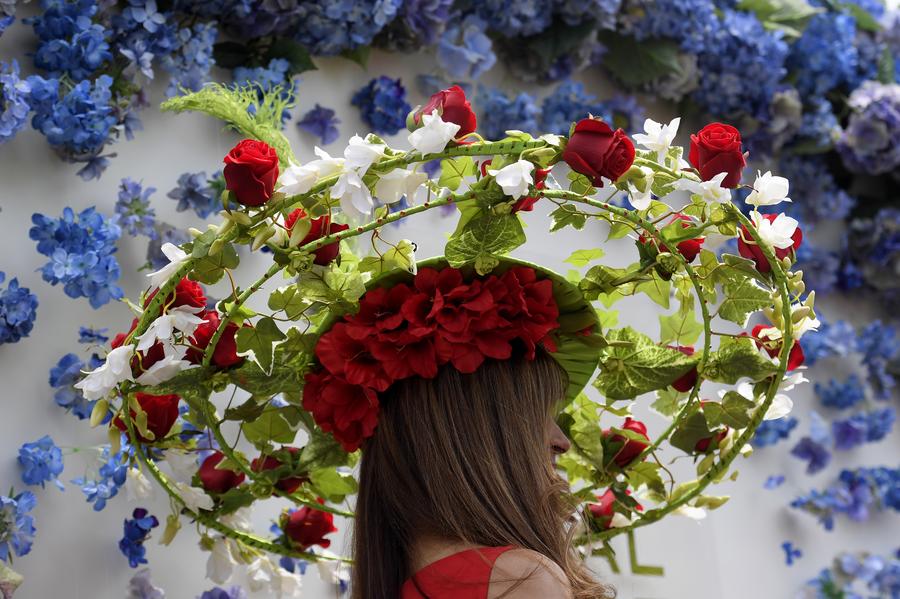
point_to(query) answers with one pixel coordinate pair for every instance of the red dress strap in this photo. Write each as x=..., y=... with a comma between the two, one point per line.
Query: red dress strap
x=463, y=575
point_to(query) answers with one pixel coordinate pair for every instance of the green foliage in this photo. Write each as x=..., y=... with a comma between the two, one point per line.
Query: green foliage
x=790, y=16
x=580, y=258
x=645, y=473
x=688, y=432
x=454, y=170
x=333, y=485
x=258, y=342
x=635, y=63
x=483, y=238
x=736, y=358
x=274, y=425
x=735, y=411
x=290, y=300
x=579, y=422
x=742, y=298
x=680, y=328
x=567, y=215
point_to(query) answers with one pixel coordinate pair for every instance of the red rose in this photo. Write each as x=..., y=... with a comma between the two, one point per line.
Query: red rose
x=349, y=412
x=604, y=511
x=308, y=526
x=686, y=381
x=689, y=248
x=225, y=354
x=320, y=227
x=141, y=361
x=453, y=107
x=526, y=204
x=773, y=347
x=162, y=412
x=595, y=150
x=625, y=449
x=749, y=249
x=251, y=169
x=717, y=149
x=287, y=484
x=218, y=480
x=186, y=293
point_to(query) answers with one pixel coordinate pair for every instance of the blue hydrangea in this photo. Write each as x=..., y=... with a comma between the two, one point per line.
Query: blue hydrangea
x=136, y=531
x=322, y=123
x=110, y=478
x=140, y=24
x=76, y=58
x=831, y=339
x=841, y=395
x=196, y=192
x=64, y=375
x=688, y=22
x=601, y=12
x=465, y=50
x=854, y=494
x=825, y=56
x=512, y=18
x=383, y=106
x=872, y=253
x=853, y=574
x=234, y=592
x=819, y=125
x=814, y=191
x=92, y=335
x=871, y=141
x=14, y=99
x=879, y=345
x=41, y=462
x=821, y=267
x=141, y=587
x=18, y=309
x=16, y=524
x=625, y=112
x=426, y=19
x=81, y=250
x=167, y=234
x=133, y=207
x=568, y=104
x=329, y=27
x=189, y=62
x=498, y=113
x=771, y=432
x=814, y=448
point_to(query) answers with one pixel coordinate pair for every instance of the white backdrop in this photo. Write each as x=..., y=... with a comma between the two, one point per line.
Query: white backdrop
x=735, y=553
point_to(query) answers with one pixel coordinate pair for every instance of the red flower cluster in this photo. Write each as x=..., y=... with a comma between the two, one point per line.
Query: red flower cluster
x=286, y=484
x=603, y=511
x=412, y=330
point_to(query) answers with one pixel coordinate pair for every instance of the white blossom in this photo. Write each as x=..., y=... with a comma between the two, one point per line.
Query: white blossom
x=287, y=585
x=104, y=378
x=776, y=233
x=514, y=178
x=182, y=463
x=259, y=574
x=361, y=154
x=297, y=179
x=181, y=318
x=333, y=571
x=176, y=256
x=171, y=364
x=640, y=200
x=619, y=521
x=195, y=499
x=355, y=197
x=434, y=135
x=221, y=563
x=238, y=519
x=398, y=183
x=137, y=485
x=694, y=513
x=709, y=191
x=658, y=137
x=768, y=190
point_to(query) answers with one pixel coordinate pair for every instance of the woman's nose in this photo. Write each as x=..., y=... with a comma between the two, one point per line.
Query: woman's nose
x=559, y=443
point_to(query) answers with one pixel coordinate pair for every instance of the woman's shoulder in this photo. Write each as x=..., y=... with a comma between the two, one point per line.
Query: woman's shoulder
x=523, y=574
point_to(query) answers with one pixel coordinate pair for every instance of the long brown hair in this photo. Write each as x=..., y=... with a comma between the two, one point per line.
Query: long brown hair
x=464, y=457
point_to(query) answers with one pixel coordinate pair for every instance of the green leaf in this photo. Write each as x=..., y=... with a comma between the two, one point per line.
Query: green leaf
x=634, y=364
x=789, y=15
x=322, y=451
x=454, y=170
x=210, y=269
x=742, y=297
x=294, y=52
x=234, y=499
x=401, y=255
x=635, y=63
x=600, y=279
x=275, y=425
x=580, y=184
x=333, y=485
x=689, y=432
x=736, y=358
x=580, y=258
x=680, y=328
x=567, y=216
x=484, y=237
x=734, y=411
x=248, y=411
x=581, y=426
x=656, y=288
x=667, y=402
x=290, y=300
x=864, y=19
x=645, y=473
x=359, y=55
x=710, y=501
x=229, y=55
x=258, y=342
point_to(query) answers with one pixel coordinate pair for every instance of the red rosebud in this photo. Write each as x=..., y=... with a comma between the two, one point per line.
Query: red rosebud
x=225, y=354
x=595, y=150
x=320, y=227
x=717, y=149
x=162, y=412
x=526, y=204
x=349, y=412
x=218, y=480
x=689, y=248
x=452, y=105
x=141, y=361
x=749, y=249
x=186, y=293
x=630, y=448
x=605, y=509
x=288, y=484
x=308, y=526
x=251, y=170
x=773, y=347
x=686, y=381
x=711, y=443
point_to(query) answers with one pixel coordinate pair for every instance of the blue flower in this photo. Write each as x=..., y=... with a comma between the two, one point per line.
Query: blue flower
x=624, y=112
x=77, y=57
x=234, y=592
x=771, y=432
x=497, y=113
x=265, y=79
x=137, y=530
x=5, y=22
x=110, y=478
x=512, y=18
x=41, y=462
x=814, y=447
x=465, y=50
x=189, y=61
x=140, y=587
x=814, y=190
x=774, y=481
x=133, y=208
x=871, y=141
x=825, y=56
x=329, y=27
x=819, y=125
x=18, y=309
x=321, y=122
x=383, y=106
x=790, y=553
x=821, y=267
x=689, y=22
x=568, y=104
x=426, y=19
x=601, y=12
x=850, y=432
x=167, y=234
x=839, y=395
x=92, y=335
x=14, y=99
x=854, y=494
x=196, y=192
x=16, y=524
x=63, y=377
x=831, y=339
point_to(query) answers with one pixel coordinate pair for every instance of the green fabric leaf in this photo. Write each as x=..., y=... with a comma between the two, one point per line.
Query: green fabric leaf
x=735, y=411
x=247, y=411
x=645, y=473
x=680, y=328
x=579, y=422
x=333, y=485
x=667, y=402
x=689, y=432
x=567, y=216
x=485, y=236
x=581, y=258
x=294, y=52
x=290, y=300
x=656, y=288
x=210, y=269
x=258, y=342
x=636, y=63
x=454, y=170
x=275, y=425
x=322, y=451
x=742, y=298
x=736, y=358
x=711, y=501
x=600, y=279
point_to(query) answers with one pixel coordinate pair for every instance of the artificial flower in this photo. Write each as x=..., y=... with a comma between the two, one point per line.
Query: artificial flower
x=596, y=151
x=715, y=149
x=100, y=381
x=658, y=137
x=251, y=169
x=434, y=134
x=768, y=190
x=515, y=178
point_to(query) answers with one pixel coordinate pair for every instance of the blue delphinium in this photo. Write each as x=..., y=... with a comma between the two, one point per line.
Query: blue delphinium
x=92, y=335
x=133, y=207
x=14, y=96
x=771, y=432
x=825, y=56
x=234, y=592
x=195, y=192
x=5, y=22
x=63, y=377
x=601, y=12
x=110, y=478
x=18, y=309
x=41, y=462
x=871, y=141
x=465, y=50
x=862, y=427
x=855, y=574
x=167, y=234
x=329, y=27
x=321, y=122
x=568, y=104
x=854, y=494
x=383, y=106
x=136, y=531
x=16, y=524
x=190, y=60
x=840, y=395
x=515, y=17
x=497, y=113
x=814, y=448
x=688, y=22
x=81, y=250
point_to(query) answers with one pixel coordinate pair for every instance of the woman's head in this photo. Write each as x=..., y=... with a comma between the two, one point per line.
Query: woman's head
x=465, y=457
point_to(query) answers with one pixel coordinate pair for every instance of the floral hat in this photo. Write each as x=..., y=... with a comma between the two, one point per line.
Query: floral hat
x=412, y=324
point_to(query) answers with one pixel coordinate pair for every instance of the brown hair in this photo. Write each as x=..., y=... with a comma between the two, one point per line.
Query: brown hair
x=464, y=457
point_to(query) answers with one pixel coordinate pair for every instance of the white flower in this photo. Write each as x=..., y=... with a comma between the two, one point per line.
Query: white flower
x=287, y=585
x=182, y=318
x=297, y=179
x=793, y=380
x=162, y=371
x=333, y=571
x=619, y=521
x=259, y=574
x=640, y=200
x=768, y=190
x=195, y=499
x=514, y=178
x=220, y=565
x=694, y=513
x=780, y=407
x=776, y=233
x=176, y=256
x=137, y=486
x=434, y=135
x=182, y=463
x=355, y=197
x=238, y=520
x=360, y=154
x=709, y=191
x=104, y=378
x=658, y=137
x=398, y=183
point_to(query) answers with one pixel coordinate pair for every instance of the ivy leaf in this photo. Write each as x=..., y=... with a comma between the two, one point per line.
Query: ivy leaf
x=333, y=485
x=274, y=425
x=635, y=63
x=234, y=499
x=580, y=258
x=689, y=432
x=248, y=411
x=580, y=184
x=290, y=300
x=681, y=328
x=667, y=402
x=454, y=170
x=567, y=216
x=656, y=288
x=485, y=237
x=734, y=411
x=322, y=451
x=579, y=422
x=646, y=473
x=742, y=297
x=633, y=364
x=600, y=279
x=402, y=256
x=210, y=269
x=736, y=358
x=258, y=342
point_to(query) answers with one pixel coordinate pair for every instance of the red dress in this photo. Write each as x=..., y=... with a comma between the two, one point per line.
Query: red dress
x=463, y=575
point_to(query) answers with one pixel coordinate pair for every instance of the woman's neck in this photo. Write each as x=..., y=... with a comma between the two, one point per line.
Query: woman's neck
x=429, y=548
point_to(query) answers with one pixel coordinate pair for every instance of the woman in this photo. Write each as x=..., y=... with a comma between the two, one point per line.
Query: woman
x=459, y=497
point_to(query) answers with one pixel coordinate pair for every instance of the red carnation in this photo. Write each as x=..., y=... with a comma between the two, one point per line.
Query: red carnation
x=343, y=355
x=717, y=149
x=630, y=448
x=349, y=412
x=773, y=347
x=218, y=480
x=287, y=484
x=604, y=510
x=686, y=381
x=596, y=151
x=161, y=410
x=319, y=227
x=142, y=361
x=186, y=293
x=251, y=170
x=749, y=249
x=308, y=526
x=452, y=105
x=225, y=354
